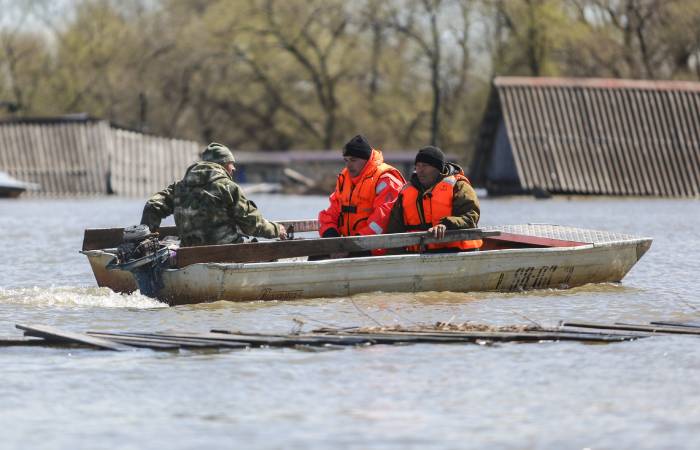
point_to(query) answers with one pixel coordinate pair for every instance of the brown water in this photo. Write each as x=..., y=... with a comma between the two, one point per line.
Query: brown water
x=642, y=394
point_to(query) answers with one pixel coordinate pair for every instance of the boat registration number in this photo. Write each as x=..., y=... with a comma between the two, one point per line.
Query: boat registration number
x=535, y=277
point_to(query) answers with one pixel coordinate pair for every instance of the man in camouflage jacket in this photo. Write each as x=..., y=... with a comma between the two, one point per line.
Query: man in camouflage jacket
x=209, y=208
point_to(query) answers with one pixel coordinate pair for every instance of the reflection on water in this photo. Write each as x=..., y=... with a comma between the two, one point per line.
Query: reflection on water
x=555, y=395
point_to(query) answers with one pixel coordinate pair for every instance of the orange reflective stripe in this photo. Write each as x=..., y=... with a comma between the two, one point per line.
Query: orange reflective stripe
x=419, y=215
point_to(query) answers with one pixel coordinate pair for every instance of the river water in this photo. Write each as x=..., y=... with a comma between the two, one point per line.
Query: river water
x=642, y=394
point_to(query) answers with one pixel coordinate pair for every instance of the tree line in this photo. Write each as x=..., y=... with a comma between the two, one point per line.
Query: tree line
x=309, y=74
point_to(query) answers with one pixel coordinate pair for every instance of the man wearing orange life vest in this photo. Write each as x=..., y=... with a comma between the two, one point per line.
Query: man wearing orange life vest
x=364, y=193
x=438, y=198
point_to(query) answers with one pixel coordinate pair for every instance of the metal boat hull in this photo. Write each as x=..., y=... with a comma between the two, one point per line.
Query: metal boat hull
x=11, y=192
x=608, y=259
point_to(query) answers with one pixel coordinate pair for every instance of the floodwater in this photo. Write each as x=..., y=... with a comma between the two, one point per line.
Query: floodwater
x=641, y=395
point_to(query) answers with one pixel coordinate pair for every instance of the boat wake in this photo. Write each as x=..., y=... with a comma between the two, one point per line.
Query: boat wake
x=77, y=297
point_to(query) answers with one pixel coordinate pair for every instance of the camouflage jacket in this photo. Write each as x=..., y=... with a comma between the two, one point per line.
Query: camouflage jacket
x=465, y=205
x=209, y=208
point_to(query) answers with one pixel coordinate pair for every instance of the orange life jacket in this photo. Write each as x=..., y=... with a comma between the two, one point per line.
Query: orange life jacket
x=356, y=200
x=436, y=204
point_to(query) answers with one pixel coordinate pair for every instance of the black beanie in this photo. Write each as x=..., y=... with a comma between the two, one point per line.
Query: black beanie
x=433, y=156
x=358, y=147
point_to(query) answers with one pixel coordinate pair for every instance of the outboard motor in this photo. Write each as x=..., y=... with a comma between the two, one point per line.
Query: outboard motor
x=142, y=254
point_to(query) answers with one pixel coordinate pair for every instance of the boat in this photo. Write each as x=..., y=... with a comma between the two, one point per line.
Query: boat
x=512, y=258
x=11, y=187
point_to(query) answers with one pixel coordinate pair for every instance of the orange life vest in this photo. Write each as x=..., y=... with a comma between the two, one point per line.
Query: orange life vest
x=435, y=204
x=356, y=201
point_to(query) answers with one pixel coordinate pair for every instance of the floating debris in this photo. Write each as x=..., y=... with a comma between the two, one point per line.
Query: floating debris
x=332, y=338
x=446, y=326
x=652, y=328
x=54, y=335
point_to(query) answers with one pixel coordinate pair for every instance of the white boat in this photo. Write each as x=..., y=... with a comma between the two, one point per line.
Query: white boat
x=522, y=257
x=11, y=187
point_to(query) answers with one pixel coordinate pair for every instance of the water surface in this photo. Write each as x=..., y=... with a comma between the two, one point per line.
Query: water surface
x=640, y=394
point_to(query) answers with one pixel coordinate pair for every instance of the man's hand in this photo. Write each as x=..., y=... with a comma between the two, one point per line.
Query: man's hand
x=283, y=232
x=438, y=231
x=330, y=233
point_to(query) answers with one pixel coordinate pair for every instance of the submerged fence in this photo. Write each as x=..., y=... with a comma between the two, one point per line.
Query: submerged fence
x=142, y=164
x=91, y=157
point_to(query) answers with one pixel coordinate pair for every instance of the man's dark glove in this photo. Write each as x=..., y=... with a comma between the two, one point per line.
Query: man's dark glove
x=330, y=233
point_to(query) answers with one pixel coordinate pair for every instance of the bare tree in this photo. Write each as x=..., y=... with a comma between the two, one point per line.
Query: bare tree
x=317, y=46
x=19, y=50
x=408, y=22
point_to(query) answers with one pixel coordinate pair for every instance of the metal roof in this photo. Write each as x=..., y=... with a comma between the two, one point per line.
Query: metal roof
x=596, y=136
x=67, y=118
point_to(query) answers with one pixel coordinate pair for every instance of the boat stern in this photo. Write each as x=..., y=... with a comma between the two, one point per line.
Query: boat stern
x=117, y=280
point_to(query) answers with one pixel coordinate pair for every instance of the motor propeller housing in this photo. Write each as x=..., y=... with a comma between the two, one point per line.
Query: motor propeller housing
x=142, y=254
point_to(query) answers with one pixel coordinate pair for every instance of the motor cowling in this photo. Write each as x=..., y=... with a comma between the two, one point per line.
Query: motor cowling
x=137, y=242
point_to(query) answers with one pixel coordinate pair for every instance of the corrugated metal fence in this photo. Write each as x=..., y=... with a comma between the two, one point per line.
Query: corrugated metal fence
x=612, y=137
x=142, y=165
x=89, y=157
x=65, y=159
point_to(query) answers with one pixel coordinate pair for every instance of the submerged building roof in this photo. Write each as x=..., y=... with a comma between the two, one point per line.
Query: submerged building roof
x=590, y=136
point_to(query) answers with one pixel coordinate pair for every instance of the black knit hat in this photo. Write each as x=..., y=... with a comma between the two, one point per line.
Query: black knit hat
x=358, y=147
x=433, y=156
